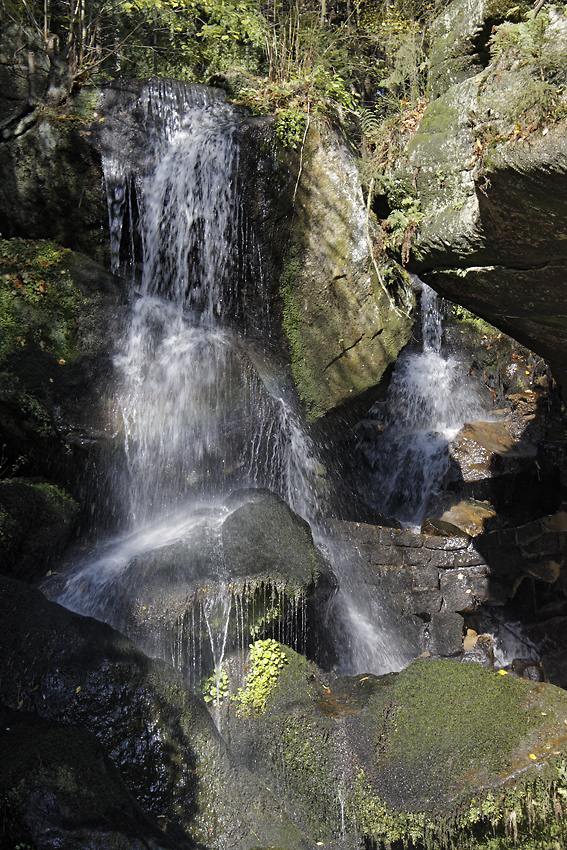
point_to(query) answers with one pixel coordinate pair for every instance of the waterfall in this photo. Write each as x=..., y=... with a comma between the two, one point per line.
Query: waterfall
x=199, y=401
x=428, y=401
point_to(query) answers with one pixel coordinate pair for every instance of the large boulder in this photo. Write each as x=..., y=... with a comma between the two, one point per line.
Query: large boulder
x=345, y=319
x=443, y=753
x=207, y=581
x=76, y=671
x=51, y=185
x=59, y=790
x=36, y=523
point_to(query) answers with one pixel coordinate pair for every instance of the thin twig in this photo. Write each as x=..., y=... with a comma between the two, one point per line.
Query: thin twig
x=301, y=153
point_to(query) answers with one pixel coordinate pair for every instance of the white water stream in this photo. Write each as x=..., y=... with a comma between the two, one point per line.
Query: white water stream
x=429, y=399
x=201, y=406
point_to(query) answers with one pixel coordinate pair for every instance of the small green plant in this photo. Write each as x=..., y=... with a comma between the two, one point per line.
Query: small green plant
x=215, y=687
x=290, y=127
x=460, y=314
x=401, y=226
x=267, y=659
x=531, y=48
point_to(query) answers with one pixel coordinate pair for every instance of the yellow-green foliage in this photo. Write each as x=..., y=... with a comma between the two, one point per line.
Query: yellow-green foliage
x=38, y=299
x=290, y=126
x=215, y=687
x=267, y=659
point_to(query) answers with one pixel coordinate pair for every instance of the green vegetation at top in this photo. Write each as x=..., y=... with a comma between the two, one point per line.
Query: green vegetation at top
x=273, y=55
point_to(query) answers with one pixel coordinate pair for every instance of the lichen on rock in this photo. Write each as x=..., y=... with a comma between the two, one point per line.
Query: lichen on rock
x=344, y=326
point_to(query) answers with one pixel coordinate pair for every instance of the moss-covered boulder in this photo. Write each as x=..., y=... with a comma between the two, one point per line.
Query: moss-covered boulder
x=206, y=582
x=488, y=161
x=36, y=523
x=441, y=754
x=74, y=670
x=344, y=323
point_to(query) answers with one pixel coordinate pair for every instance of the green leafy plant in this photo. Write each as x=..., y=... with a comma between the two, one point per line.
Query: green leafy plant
x=267, y=659
x=532, y=49
x=290, y=127
x=215, y=687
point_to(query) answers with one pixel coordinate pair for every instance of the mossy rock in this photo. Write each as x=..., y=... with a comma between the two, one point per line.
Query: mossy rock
x=442, y=754
x=52, y=185
x=488, y=160
x=74, y=670
x=60, y=312
x=36, y=523
x=345, y=327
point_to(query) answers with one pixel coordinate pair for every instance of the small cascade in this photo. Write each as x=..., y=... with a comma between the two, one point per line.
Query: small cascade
x=428, y=401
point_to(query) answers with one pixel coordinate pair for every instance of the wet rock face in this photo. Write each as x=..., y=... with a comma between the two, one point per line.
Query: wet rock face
x=36, y=523
x=60, y=790
x=429, y=582
x=226, y=578
x=153, y=729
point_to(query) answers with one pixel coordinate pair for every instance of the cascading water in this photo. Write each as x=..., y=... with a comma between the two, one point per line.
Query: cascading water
x=428, y=402
x=204, y=412
x=200, y=406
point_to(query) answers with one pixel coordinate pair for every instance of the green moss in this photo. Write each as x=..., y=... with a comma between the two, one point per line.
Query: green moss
x=305, y=382
x=450, y=728
x=38, y=299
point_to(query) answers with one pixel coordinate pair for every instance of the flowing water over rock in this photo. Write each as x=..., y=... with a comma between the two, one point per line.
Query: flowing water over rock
x=195, y=573
x=429, y=399
x=200, y=402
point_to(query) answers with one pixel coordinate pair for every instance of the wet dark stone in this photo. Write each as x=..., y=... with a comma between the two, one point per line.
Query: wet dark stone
x=445, y=634
x=59, y=790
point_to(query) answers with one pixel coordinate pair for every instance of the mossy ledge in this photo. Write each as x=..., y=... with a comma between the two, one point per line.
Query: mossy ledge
x=443, y=754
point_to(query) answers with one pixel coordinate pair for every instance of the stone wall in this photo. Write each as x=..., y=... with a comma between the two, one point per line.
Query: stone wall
x=435, y=579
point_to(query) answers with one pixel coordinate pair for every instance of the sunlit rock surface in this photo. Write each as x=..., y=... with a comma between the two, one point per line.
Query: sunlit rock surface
x=492, y=182
x=345, y=325
x=443, y=752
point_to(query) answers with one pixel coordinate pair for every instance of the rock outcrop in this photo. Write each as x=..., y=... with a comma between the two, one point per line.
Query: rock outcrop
x=488, y=163
x=75, y=671
x=345, y=325
x=344, y=757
